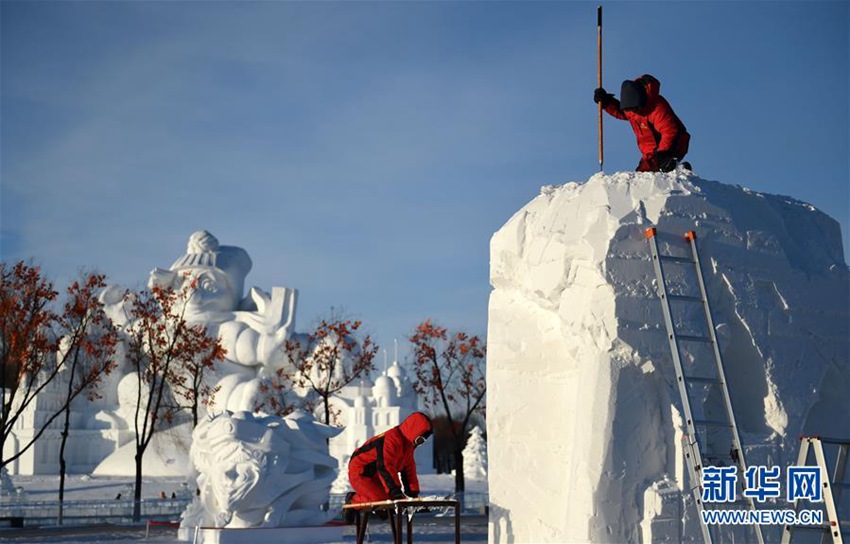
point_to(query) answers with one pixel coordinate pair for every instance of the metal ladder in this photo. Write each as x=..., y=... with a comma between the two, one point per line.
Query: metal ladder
x=697, y=429
x=832, y=486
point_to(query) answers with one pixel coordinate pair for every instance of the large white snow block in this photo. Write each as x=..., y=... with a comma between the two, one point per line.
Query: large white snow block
x=583, y=416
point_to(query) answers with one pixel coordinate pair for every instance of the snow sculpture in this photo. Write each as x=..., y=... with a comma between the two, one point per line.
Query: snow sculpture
x=341, y=485
x=260, y=471
x=581, y=394
x=252, y=329
x=475, y=456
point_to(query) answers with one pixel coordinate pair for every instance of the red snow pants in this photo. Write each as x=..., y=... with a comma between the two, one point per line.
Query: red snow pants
x=367, y=488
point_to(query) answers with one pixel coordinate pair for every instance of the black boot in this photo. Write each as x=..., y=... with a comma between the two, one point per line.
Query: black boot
x=349, y=515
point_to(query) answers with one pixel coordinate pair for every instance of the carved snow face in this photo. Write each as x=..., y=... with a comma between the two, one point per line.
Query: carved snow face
x=234, y=479
x=213, y=292
x=232, y=468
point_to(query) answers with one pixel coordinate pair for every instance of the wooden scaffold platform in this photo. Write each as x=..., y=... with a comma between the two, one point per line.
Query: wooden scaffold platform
x=396, y=511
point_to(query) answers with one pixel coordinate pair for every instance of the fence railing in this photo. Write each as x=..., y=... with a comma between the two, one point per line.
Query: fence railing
x=89, y=512
x=119, y=511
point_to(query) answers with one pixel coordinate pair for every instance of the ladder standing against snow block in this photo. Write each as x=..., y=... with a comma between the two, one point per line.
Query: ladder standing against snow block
x=697, y=429
x=832, y=486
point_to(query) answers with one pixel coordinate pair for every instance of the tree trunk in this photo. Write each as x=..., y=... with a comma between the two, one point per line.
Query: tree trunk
x=4, y=412
x=137, y=492
x=62, y=464
x=327, y=412
x=61, y=485
x=460, y=484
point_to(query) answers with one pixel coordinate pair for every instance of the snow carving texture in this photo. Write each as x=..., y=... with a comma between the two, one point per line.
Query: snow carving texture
x=261, y=471
x=582, y=419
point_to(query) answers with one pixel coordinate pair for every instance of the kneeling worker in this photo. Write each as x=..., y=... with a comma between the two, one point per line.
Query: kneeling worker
x=384, y=468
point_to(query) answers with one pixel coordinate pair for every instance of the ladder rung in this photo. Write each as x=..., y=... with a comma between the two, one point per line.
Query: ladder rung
x=810, y=528
x=817, y=528
x=673, y=259
x=826, y=440
x=711, y=423
x=696, y=379
x=685, y=298
x=689, y=338
x=724, y=457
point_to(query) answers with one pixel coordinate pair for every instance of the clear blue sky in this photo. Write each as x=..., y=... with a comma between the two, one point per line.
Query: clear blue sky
x=365, y=152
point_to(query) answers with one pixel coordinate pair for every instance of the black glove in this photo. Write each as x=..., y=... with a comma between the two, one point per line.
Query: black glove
x=666, y=161
x=397, y=495
x=413, y=494
x=601, y=97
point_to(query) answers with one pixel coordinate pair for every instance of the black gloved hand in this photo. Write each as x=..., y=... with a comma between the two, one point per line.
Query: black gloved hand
x=666, y=161
x=397, y=496
x=601, y=97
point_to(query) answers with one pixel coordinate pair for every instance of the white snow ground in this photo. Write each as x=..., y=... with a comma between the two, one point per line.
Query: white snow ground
x=473, y=530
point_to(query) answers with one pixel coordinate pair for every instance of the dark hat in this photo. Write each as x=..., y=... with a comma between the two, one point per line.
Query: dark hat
x=632, y=95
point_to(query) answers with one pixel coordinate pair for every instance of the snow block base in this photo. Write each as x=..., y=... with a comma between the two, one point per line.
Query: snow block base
x=584, y=416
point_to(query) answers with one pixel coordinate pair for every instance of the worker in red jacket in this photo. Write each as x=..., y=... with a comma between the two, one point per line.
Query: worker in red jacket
x=384, y=468
x=661, y=136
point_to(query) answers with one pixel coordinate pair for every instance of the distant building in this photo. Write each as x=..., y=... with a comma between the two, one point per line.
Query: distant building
x=93, y=434
x=42, y=457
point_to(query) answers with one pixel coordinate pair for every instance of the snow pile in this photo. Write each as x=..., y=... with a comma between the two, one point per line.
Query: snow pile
x=584, y=421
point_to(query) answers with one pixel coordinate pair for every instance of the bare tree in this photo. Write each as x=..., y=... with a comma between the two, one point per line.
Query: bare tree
x=277, y=395
x=161, y=346
x=86, y=350
x=31, y=334
x=450, y=375
x=188, y=382
x=330, y=358
x=27, y=348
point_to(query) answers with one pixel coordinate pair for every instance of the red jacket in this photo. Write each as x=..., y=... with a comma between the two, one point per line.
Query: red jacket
x=386, y=455
x=656, y=126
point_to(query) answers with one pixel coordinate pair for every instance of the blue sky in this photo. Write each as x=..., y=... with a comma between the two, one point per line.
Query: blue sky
x=365, y=152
